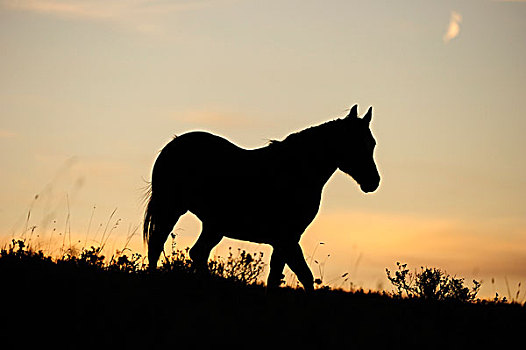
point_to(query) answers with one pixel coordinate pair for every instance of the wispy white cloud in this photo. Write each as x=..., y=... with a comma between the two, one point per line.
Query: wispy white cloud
x=454, y=27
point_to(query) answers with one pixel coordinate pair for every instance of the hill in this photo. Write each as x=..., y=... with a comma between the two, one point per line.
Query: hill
x=80, y=302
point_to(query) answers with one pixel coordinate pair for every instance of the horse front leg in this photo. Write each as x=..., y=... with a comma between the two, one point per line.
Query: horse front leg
x=295, y=259
x=277, y=264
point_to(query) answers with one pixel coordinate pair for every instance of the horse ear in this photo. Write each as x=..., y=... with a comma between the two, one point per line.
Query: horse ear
x=353, y=113
x=367, y=117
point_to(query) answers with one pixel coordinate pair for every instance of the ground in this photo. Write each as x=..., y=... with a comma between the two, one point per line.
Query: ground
x=83, y=306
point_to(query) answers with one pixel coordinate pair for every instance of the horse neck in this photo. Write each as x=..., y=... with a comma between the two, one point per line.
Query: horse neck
x=323, y=164
x=321, y=170
x=312, y=149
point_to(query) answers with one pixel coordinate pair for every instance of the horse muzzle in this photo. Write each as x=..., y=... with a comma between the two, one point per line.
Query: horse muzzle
x=369, y=187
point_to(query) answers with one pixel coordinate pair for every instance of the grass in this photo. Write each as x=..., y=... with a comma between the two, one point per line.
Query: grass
x=87, y=300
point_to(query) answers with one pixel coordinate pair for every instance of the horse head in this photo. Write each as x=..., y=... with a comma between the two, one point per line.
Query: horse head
x=355, y=150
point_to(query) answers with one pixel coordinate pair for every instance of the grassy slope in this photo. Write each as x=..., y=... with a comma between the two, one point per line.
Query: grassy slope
x=72, y=306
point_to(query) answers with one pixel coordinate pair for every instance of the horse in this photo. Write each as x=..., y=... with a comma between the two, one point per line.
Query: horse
x=266, y=195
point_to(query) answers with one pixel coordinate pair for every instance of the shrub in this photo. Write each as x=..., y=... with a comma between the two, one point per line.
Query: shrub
x=179, y=260
x=92, y=257
x=431, y=284
x=19, y=251
x=122, y=262
x=245, y=267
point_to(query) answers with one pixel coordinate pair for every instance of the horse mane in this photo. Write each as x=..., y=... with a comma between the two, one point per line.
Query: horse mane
x=304, y=137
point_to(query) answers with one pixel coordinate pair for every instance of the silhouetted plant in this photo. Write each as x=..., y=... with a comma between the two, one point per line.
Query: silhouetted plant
x=403, y=280
x=18, y=250
x=126, y=264
x=431, y=284
x=92, y=257
x=498, y=300
x=244, y=267
x=178, y=260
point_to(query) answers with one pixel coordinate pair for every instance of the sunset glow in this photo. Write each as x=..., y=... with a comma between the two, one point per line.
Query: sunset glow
x=91, y=91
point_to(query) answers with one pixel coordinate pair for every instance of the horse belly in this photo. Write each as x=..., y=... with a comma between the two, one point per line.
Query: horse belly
x=261, y=218
x=235, y=214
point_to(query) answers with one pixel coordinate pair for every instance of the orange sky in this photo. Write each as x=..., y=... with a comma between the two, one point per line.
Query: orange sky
x=91, y=91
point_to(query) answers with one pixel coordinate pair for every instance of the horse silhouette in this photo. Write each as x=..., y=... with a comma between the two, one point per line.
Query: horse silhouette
x=266, y=195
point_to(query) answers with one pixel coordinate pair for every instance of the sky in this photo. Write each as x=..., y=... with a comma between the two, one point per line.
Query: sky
x=90, y=91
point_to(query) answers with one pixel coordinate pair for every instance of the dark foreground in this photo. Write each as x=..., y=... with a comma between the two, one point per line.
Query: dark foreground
x=67, y=306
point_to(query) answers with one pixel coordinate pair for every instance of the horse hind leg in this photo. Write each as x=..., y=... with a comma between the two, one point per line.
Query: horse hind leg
x=164, y=223
x=200, y=252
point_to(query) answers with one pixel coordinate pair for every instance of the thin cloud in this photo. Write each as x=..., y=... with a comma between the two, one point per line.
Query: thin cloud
x=139, y=14
x=454, y=27
x=69, y=9
x=103, y=9
x=7, y=134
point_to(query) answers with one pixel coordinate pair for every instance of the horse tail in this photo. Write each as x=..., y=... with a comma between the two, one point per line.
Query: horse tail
x=149, y=214
x=158, y=212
